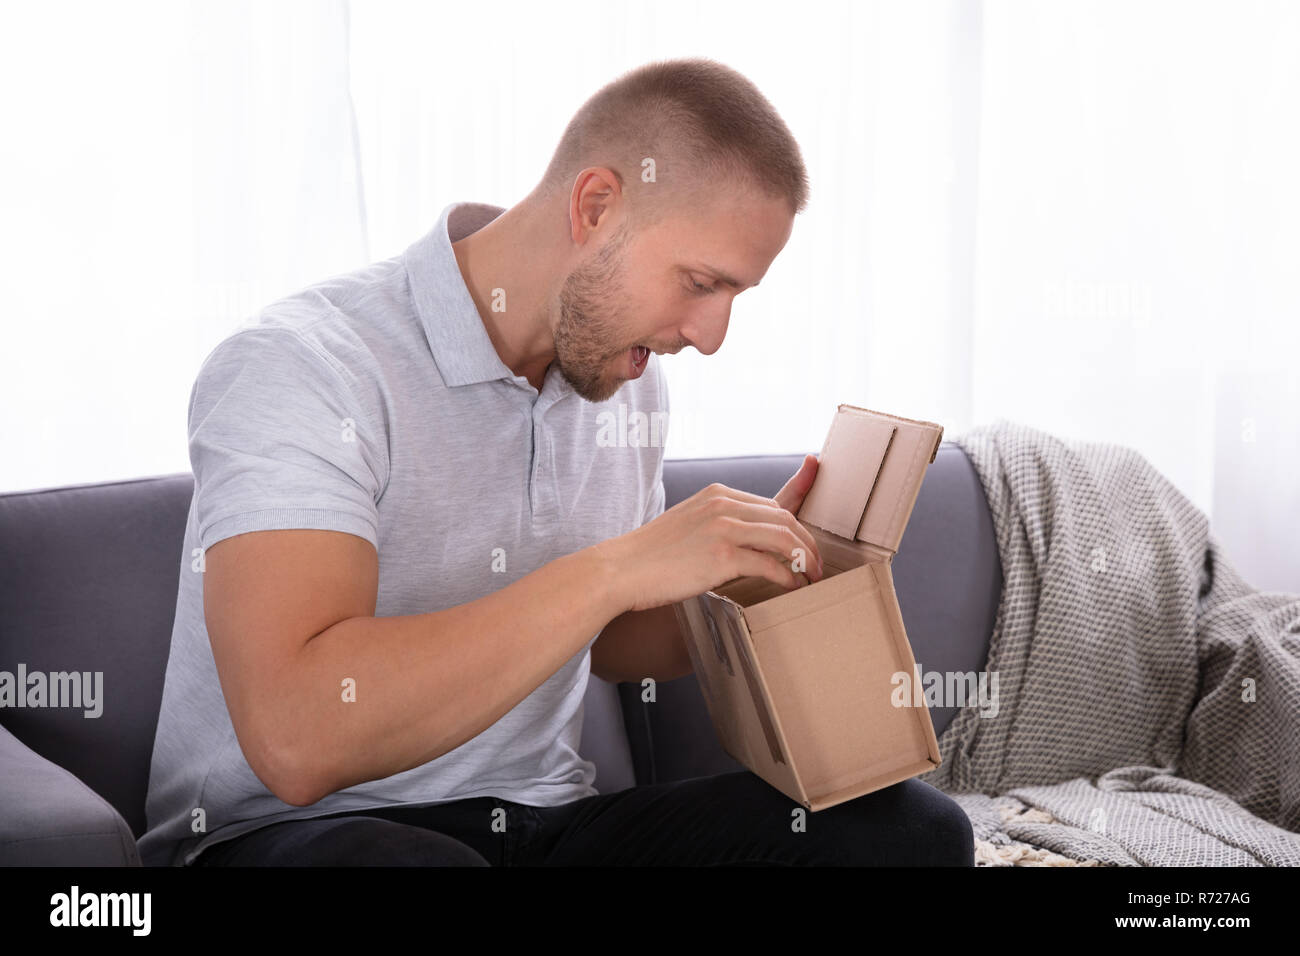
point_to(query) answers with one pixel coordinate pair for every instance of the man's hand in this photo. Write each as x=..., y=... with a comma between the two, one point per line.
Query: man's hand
x=791, y=496
x=716, y=535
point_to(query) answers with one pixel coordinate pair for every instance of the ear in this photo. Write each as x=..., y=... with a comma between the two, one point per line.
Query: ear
x=595, y=192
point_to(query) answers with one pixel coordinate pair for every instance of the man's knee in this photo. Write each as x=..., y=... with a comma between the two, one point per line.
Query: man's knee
x=953, y=841
x=910, y=823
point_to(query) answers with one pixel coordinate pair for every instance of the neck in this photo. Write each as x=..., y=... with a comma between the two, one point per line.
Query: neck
x=506, y=265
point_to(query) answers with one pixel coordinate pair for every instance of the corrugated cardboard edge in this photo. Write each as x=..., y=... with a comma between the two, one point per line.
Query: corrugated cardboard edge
x=707, y=691
x=735, y=748
x=915, y=477
x=900, y=418
x=852, y=456
x=885, y=578
x=801, y=794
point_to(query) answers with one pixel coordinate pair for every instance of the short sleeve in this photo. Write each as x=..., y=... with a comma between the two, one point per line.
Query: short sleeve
x=277, y=440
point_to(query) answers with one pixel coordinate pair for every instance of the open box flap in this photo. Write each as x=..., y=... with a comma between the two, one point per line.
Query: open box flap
x=869, y=474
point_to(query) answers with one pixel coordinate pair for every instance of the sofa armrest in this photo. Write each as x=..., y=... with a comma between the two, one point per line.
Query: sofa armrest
x=50, y=818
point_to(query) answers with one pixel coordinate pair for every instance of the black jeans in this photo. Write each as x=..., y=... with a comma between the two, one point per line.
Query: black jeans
x=733, y=819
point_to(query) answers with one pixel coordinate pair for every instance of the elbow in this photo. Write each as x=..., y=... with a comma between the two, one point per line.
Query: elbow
x=283, y=771
x=296, y=792
x=297, y=784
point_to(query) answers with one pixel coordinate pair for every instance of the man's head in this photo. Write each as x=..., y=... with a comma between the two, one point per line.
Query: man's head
x=680, y=184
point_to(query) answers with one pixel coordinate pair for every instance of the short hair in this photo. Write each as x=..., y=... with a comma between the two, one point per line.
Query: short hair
x=701, y=122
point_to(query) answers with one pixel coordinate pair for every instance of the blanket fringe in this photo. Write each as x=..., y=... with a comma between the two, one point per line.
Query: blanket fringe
x=1022, y=854
x=1017, y=853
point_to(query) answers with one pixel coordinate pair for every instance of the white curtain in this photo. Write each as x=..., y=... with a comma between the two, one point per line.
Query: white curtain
x=1084, y=216
x=167, y=168
x=1137, y=236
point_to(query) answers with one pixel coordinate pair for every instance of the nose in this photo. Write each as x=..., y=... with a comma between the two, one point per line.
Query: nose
x=706, y=330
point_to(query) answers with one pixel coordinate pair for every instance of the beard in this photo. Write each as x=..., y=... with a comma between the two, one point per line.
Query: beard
x=588, y=333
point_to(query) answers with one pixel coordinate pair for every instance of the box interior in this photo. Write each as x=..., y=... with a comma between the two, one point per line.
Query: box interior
x=838, y=555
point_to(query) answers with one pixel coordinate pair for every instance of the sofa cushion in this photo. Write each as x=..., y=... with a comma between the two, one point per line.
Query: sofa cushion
x=604, y=737
x=51, y=818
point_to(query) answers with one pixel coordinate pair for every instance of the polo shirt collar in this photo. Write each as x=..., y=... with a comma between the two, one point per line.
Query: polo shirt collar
x=452, y=325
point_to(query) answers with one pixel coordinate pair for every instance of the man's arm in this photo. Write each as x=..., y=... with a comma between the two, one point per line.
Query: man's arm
x=640, y=644
x=289, y=616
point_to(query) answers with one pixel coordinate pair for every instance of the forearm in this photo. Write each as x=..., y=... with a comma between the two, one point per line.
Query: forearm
x=426, y=683
x=640, y=644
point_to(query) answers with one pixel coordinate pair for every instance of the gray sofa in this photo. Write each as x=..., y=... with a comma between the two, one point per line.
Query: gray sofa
x=88, y=578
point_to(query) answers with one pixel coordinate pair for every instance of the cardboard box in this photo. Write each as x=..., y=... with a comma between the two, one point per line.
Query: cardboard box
x=799, y=683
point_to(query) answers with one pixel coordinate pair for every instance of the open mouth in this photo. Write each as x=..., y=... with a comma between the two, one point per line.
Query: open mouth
x=638, y=355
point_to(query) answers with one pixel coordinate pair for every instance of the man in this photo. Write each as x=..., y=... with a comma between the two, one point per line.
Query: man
x=408, y=547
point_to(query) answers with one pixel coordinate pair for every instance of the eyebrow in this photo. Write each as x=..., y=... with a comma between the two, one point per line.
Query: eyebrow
x=719, y=274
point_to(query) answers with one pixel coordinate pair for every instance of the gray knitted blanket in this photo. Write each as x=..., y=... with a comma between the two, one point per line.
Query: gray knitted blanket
x=1149, y=699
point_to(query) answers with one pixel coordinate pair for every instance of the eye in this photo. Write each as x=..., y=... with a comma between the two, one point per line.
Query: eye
x=699, y=289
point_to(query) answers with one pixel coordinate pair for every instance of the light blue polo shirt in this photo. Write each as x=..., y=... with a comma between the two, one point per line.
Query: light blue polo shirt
x=374, y=403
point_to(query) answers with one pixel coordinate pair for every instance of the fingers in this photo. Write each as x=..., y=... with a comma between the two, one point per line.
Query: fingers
x=792, y=494
x=812, y=558
x=778, y=539
x=717, y=490
x=762, y=565
x=762, y=512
